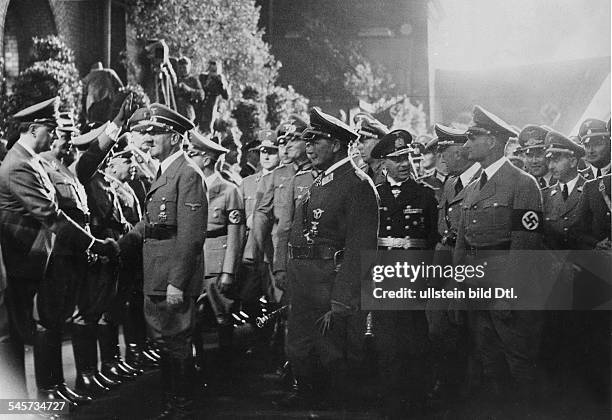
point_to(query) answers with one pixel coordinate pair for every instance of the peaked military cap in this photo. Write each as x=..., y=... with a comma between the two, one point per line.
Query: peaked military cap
x=138, y=117
x=267, y=139
x=533, y=137
x=448, y=136
x=205, y=144
x=396, y=143
x=369, y=127
x=323, y=125
x=45, y=112
x=593, y=128
x=558, y=143
x=290, y=129
x=485, y=122
x=91, y=133
x=160, y=116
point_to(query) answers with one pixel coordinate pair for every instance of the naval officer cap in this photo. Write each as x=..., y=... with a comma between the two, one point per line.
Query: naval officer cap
x=593, y=129
x=448, y=136
x=487, y=123
x=160, y=117
x=204, y=144
x=532, y=137
x=556, y=143
x=369, y=127
x=324, y=126
x=396, y=143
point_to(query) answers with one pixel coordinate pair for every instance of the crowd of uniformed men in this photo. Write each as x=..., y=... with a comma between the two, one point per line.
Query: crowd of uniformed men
x=138, y=223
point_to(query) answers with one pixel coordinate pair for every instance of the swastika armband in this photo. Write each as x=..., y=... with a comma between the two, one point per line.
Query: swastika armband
x=526, y=220
x=236, y=217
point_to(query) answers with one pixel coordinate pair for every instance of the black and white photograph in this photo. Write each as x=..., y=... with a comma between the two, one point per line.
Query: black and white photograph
x=305, y=209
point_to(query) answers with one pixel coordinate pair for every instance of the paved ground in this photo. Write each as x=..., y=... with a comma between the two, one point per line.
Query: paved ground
x=251, y=396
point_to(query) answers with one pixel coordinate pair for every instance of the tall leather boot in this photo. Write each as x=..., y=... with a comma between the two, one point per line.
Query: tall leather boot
x=48, y=369
x=84, y=345
x=183, y=371
x=168, y=387
x=110, y=353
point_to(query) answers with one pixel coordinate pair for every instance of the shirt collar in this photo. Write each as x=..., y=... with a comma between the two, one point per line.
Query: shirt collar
x=27, y=148
x=169, y=160
x=468, y=174
x=210, y=180
x=494, y=167
x=265, y=171
x=570, y=185
x=604, y=171
x=336, y=166
x=393, y=182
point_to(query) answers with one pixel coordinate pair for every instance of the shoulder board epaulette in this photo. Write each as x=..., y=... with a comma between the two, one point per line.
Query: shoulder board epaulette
x=427, y=184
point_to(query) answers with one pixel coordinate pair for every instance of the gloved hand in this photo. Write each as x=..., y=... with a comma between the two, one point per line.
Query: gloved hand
x=280, y=280
x=174, y=295
x=338, y=309
x=106, y=248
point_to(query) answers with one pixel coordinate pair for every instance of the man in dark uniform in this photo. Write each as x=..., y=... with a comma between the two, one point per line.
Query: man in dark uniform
x=29, y=218
x=532, y=147
x=95, y=323
x=172, y=236
x=449, y=340
x=595, y=137
x=333, y=223
x=251, y=154
x=501, y=211
x=408, y=219
x=433, y=177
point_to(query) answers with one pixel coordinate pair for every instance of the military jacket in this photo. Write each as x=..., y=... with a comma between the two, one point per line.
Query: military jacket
x=298, y=187
x=225, y=208
x=561, y=216
x=505, y=214
x=130, y=206
x=248, y=191
x=594, y=212
x=70, y=193
x=173, y=230
x=408, y=212
x=449, y=210
x=340, y=210
x=107, y=219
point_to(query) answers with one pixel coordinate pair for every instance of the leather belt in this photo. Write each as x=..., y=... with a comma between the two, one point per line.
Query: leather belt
x=315, y=252
x=473, y=250
x=216, y=233
x=160, y=232
x=402, y=243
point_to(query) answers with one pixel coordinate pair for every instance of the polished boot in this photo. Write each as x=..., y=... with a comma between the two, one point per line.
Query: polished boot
x=48, y=366
x=135, y=358
x=125, y=367
x=74, y=396
x=84, y=345
x=168, y=387
x=183, y=375
x=110, y=354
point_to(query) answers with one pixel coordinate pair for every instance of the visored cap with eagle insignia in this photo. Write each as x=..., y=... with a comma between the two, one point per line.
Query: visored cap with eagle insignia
x=487, y=123
x=161, y=117
x=593, y=128
x=396, y=143
x=557, y=143
x=448, y=136
x=532, y=137
x=324, y=126
x=290, y=129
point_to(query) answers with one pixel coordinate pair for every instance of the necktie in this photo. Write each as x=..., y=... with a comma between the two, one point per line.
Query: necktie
x=598, y=172
x=565, y=192
x=542, y=182
x=159, y=172
x=483, y=179
x=458, y=186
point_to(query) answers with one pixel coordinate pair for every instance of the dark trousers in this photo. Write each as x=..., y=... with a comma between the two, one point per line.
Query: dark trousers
x=171, y=326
